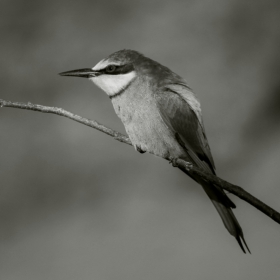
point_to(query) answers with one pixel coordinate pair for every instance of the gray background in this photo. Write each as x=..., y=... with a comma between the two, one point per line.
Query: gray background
x=74, y=203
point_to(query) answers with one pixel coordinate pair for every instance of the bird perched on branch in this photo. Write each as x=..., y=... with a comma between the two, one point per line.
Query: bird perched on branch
x=161, y=115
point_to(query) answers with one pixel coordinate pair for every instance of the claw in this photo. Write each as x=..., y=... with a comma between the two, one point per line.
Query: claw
x=172, y=161
x=138, y=148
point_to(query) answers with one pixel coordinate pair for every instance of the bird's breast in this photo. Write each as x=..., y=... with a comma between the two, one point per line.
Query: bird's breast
x=147, y=131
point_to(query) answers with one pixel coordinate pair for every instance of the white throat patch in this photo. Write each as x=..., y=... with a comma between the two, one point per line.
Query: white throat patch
x=113, y=84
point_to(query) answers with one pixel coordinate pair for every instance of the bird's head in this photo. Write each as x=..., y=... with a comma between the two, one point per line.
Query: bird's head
x=116, y=73
x=113, y=73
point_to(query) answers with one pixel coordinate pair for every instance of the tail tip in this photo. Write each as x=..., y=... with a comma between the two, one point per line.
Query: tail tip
x=238, y=238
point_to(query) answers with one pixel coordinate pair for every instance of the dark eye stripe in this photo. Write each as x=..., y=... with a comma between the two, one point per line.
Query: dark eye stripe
x=120, y=69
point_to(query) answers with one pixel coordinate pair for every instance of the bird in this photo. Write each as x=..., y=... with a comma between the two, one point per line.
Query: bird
x=161, y=115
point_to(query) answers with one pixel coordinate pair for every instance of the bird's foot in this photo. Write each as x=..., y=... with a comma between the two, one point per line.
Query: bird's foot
x=139, y=149
x=181, y=163
x=176, y=162
x=173, y=161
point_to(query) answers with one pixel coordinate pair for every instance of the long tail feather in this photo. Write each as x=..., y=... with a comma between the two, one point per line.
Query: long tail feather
x=226, y=214
x=223, y=204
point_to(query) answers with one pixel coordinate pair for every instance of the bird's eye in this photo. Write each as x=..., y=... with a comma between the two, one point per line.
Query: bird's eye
x=110, y=68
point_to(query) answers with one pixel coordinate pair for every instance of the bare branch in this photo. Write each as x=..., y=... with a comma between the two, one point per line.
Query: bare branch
x=61, y=112
x=192, y=170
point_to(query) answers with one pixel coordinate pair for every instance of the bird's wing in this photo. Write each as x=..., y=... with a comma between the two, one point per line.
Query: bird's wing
x=180, y=111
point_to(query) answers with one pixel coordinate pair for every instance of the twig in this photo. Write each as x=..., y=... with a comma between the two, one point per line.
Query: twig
x=192, y=170
x=61, y=112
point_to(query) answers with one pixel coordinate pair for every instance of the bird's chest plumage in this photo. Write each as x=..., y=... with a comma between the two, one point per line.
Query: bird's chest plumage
x=137, y=108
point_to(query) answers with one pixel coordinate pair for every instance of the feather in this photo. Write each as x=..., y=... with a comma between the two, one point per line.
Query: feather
x=180, y=111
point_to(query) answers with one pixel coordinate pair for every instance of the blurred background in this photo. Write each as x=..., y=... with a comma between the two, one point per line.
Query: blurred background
x=76, y=204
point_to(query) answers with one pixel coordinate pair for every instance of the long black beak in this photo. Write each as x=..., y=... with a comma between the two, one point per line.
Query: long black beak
x=84, y=73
